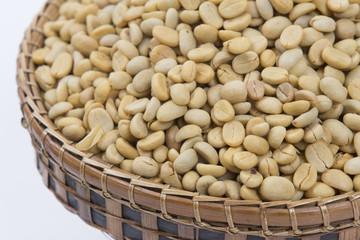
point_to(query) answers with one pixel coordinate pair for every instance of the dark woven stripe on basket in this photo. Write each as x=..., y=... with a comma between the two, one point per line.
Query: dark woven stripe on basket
x=129, y=207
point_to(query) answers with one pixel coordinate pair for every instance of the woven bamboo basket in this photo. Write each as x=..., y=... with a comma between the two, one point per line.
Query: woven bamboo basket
x=127, y=206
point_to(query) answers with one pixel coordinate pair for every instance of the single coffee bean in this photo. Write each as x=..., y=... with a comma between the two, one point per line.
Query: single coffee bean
x=319, y=155
x=277, y=188
x=337, y=179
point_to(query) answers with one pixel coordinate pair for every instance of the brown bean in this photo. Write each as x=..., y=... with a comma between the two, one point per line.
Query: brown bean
x=285, y=92
x=255, y=89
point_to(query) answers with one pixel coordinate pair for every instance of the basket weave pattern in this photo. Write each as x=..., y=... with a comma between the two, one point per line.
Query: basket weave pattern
x=115, y=201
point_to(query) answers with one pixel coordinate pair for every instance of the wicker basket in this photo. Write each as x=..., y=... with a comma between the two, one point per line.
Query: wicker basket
x=129, y=207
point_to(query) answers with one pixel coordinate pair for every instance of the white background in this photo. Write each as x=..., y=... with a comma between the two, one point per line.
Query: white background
x=28, y=210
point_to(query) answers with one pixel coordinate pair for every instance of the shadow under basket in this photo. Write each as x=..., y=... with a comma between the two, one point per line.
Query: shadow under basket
x=127, y=206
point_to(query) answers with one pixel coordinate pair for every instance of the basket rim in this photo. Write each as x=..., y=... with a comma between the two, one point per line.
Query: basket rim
x=281, y=218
